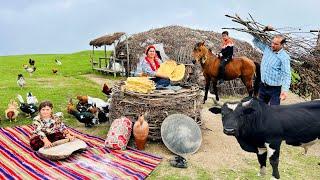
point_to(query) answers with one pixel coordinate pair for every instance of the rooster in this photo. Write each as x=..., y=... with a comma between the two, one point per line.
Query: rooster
x=31, y=62
x=21, y=81
x=29, y=109
x=31, y=99
x=83, y=117
x=54, y=71
x=91, y=100
x=58, y=62
x=82, y=107
x=12, y=112
x=29, y=69
x=95, y=111
x=106, y=90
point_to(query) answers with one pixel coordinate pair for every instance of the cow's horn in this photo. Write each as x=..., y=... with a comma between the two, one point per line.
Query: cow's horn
x=246, y=103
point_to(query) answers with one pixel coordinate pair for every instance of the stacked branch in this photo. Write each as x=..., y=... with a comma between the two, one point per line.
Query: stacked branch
x=301, y=47
x=157, y=105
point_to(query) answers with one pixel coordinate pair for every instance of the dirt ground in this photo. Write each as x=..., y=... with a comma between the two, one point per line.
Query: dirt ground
x=216, y=147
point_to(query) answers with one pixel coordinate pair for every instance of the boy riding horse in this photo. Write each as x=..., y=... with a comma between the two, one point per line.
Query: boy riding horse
x=225, y=54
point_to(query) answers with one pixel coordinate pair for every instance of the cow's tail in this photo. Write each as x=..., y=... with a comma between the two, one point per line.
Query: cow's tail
x=257, y=80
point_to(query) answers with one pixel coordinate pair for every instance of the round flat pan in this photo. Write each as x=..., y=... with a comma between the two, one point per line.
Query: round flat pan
x=181, y=134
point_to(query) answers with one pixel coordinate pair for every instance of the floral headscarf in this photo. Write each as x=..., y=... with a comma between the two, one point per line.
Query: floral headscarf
x=157, y=64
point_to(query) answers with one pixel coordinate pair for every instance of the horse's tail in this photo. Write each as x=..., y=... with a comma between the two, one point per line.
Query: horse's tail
x=257, y=79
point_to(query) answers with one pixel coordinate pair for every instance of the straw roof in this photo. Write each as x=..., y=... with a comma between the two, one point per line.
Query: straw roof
x=106, y=39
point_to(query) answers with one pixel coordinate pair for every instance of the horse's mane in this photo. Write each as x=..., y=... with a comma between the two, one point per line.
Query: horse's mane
x=210, y=53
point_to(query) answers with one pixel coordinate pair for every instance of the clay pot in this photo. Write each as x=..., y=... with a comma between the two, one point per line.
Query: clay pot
x=140, y=132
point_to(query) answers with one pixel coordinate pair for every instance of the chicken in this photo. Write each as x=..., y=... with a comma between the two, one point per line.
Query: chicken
x=83, y=117
x=21, y=81
x=91, y=100
x=54, y=71
x=58, y=62
x=12, y=112
x=29, y=109
x=29, y=69
x=103, y=116
x=95, y=111
x=32, y=62
x=82, y=99
x=82, y=107
x=31, y=99
x=106, y=90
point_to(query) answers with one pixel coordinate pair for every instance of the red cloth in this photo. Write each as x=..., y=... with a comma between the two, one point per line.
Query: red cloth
x=36, y=142
x=227, y=42
x=150, y=64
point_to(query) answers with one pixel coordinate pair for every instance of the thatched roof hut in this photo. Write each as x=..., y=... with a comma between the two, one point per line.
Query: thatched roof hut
x=178, y=43
x=106, y=39
x=179, y=40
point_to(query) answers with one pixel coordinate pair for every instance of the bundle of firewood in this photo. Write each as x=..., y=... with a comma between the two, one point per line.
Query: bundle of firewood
x=301, y=46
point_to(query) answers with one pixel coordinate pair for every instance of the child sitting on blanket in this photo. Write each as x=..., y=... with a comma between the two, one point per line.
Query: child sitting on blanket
x=48, y=128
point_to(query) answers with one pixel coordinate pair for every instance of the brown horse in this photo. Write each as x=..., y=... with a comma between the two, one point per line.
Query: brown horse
x=238, y=67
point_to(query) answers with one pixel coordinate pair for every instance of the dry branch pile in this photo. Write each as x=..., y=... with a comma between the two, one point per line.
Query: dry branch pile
x=157, y=105
x=301, y=46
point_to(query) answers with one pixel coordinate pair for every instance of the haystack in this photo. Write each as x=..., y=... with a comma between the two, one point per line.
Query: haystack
x=157, y=105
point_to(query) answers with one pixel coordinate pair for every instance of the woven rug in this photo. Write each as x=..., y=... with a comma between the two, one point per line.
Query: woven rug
x=19, y=161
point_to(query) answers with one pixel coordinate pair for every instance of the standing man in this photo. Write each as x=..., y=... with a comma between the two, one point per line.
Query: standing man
x=275, y=70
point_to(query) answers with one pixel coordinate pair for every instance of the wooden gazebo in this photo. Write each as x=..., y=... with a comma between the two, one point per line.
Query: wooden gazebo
x=109, y=62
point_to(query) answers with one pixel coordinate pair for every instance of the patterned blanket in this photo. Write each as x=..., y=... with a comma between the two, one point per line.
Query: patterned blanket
x=19, y=161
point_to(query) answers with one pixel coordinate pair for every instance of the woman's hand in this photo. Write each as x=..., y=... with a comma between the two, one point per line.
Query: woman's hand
x=161, y=76
x=46, y=142
x=70, y=137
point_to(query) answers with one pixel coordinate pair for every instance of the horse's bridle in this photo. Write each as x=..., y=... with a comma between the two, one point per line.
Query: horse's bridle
x=203, y=60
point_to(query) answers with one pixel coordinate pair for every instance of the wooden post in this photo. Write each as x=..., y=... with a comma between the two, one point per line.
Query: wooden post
x=114, y=58
x=92, y=57
x=105, y=55
x=317, y=48
x=128, y=64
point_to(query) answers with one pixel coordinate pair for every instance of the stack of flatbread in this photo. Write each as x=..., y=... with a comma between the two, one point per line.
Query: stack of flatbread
x=172, y=70
x=139, y=84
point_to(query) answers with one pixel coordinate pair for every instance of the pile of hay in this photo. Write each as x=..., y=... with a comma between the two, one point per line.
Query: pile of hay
x=157, y=106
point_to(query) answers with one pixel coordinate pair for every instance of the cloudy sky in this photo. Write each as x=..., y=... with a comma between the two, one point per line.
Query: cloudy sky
x=64, y=26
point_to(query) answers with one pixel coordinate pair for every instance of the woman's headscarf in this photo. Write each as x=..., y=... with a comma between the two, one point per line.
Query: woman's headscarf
x=155, y=59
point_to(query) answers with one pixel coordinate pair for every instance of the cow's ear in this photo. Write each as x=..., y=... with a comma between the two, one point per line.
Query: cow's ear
x=248, y=110
x=215, y=110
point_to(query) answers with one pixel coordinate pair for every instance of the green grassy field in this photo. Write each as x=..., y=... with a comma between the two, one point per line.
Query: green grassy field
x=70, y=82
x=58, y=88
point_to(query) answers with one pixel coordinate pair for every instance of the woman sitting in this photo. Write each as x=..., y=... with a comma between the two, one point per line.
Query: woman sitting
x=148, y=66
x=48, y=128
